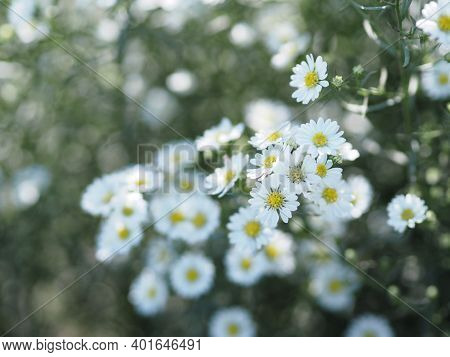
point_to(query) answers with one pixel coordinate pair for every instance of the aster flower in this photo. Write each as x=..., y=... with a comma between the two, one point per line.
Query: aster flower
x=278, y=254
x=148, y=293
x=264, y=163
x=224, y=178
x=266, y=138
x=369, y=325
x=405, y=211
x=232, y=322
x=142, y=179
x=333, y=198
x=274, y=200
x=192, y=275
x=362, y=195
x=322, y=137
x=320, y=169
x=309, y=77
x=436, y=80
x=160, y=255
x=244, y=267
x=265, y=114
x=247, y=232
x=175, y=156
x=436, y=21
x=219, y=135
x=130, y=207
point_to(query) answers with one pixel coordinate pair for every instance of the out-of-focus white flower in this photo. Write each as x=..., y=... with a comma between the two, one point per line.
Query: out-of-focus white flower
x=224, y=178
x=160, y=255
x=334, y=285
x=333, y=198
x=347, y=152
x=21, y=17
x=148, y=293
x=247, y=232
x=142, y=179
x=289, y=51
x=244, y=267
x=292, y=168
x=328, y=226
x=321, y=169
x=192, y=275
x=264, y=163
x=322, y=137
x=181, y=82
x=274, y=200
x=369, y=325
x=279, y=254
x=362, y=195
x=436, y=80
x=405, y=211
x=436, y=20
x=130, y=207
x=313, y=253
x=309, y=77
x=175, y=156
x=232, y=322
x=28, y=184
x=219, y=135
x=242, y=35
x=266, y=114
x=160, y=106
x=264, y=139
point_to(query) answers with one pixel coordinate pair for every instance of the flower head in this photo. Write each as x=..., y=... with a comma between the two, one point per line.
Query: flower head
x=405, y=211
x=219, y=135
x=436, y=21
x=369, y=325
x=232, y=322
x=244, y=267
x=148, y=293
x=436, y=80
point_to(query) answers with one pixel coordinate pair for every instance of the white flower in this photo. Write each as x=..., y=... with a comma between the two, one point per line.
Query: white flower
x=278, y=254
x=320, y=170
x=142, y=179
x=362, y=195
x=436, y=80
x=369, y=325
x=313, y=253
x=347, y=152
x=309, y=78
x=175, y=156
x=333, y=198
x=266, y=114
x=274, y=200
x=160, y=255
x=436, y=21
x=266, y=138
x=98, y=197
x=219, y=135
x=247, y=232
x=224, y=178
x=242, y=34
x=406, y=211
x=264, y=163
x=334, y=285
x=289, y=51
x=322, y=137
x=130, y=207
x=244, y=267
x=232, y=322
x=148, y=293
x=292, y=167
x=192, y=275
x=117, y=238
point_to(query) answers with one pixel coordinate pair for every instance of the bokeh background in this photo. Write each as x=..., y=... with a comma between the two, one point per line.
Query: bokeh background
x=67, y=71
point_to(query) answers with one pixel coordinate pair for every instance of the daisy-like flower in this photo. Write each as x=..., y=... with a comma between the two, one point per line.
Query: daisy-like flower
x=130, y=207
x=309, y=77
x=362, y=195
x=148, y=293
x=142, y=179
x=313, y=253
x=264, y=163
x=98, y=197
x=266, y=114
x=247, y=232
x=322, y=137
x=405, y=211
x=333, y=198
x=117, y=238
x=334, y=285
x=219, y=135
x=274, y=200
x=369, y=325
x=175, y=156
x=192, y=275
x=292, y=168
x=266, y=138
x=436, y=21
x=346, y=152
x=160, y=255
x=279, y=255
x=232, y=322
x=320, y=169
x=244, y=267
x=224, y=178
x=436, y=80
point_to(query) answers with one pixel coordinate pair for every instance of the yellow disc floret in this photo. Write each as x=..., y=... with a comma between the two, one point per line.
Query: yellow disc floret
x=233, y=329
x=330, y=195
x=275, y=200
x=246, y=264
x=335, y=286
x=229, y=175
x=127, y=211
x=123, y=233
x=199, y=220
x=274, y=136
x=269, y=161
x=176, y=217
x=151, y=293
x=311, y=79
x=271, y=252
x=321, y=170
x=407, y=214
x=444, y=23
x=192, y=275
x=252, y=228
x=319, y=139
x=443, y=79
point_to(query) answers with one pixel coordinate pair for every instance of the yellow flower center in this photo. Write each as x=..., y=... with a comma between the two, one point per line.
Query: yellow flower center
x=296, y=174
x=321, y=170
x=186, y=185
x=271, y=252
x=330, y=195
x=107, y=197
x=233, y=329
x=319, y=139
x=229, y=175
x=369, y=333
x=151, y=293
x=311, y=79
x=443, y=79
x=335, y=286
x=127, y=211
x=252, y=228
x=275, y=200
x=192, y=275
x=269, y=161
x=274, y=136
x=140, y=182
x=123, y=233
x=407, y=214
x=246, y=264
x=176, y=217
x=444, y=23
x=199, y=220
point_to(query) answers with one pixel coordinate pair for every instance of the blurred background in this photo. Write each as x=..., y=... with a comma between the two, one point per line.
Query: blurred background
x=67, y=72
